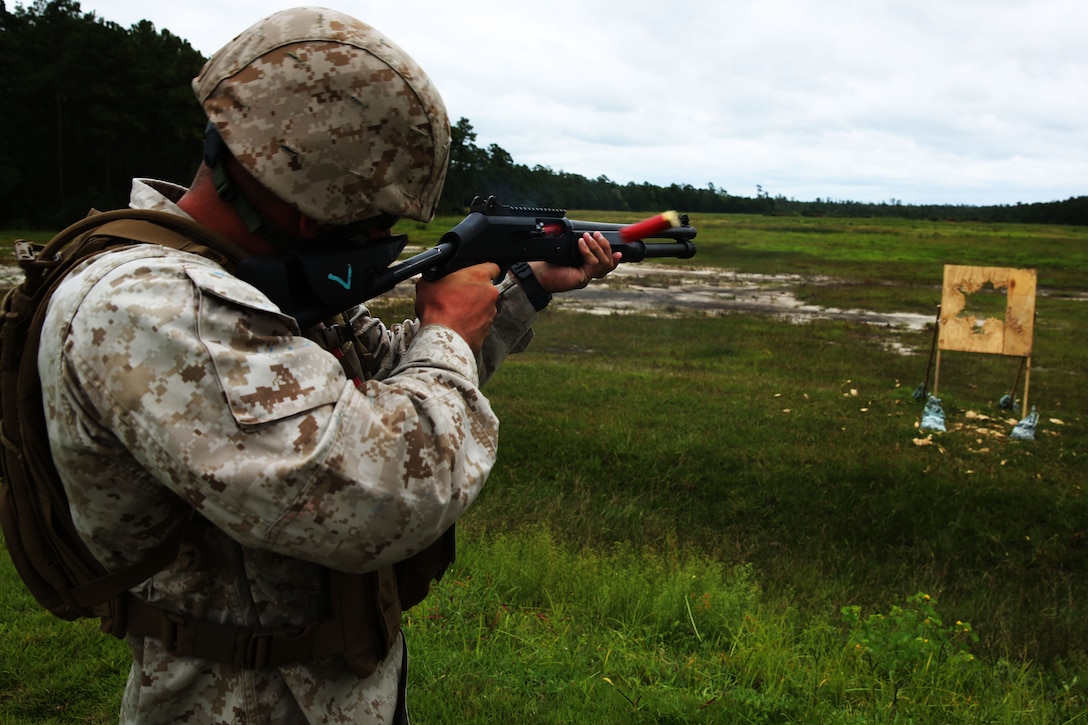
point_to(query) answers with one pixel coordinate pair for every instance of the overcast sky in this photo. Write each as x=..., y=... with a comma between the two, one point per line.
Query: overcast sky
x=924, y=101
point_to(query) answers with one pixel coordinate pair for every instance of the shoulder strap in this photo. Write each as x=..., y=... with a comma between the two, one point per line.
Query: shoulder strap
x=132, y=225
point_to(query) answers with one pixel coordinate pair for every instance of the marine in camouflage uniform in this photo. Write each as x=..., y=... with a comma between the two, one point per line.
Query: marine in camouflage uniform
x=171, y=386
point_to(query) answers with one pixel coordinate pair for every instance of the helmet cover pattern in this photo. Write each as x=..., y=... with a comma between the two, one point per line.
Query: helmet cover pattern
x=330, y=115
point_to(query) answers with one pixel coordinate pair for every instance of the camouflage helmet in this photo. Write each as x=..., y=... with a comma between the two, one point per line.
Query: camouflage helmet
x=330, y=115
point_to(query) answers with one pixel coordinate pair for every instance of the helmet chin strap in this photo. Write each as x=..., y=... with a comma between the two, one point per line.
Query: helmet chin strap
x=215, y=151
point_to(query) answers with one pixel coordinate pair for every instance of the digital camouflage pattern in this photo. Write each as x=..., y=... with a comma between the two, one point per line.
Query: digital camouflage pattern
x=330, y=115
x=170, y=385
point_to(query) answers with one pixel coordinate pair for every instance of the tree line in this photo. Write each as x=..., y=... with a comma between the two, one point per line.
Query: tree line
x=92, y=104
x=89, y=105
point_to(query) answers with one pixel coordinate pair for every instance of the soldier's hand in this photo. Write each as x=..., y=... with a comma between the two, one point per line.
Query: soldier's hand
x=463, y=301
x=598, y=260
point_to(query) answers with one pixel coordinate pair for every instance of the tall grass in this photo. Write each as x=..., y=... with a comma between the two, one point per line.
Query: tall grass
x=528, y=629
x=736, y=519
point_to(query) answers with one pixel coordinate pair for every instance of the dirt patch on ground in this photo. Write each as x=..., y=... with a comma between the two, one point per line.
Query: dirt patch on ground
x=9, y=277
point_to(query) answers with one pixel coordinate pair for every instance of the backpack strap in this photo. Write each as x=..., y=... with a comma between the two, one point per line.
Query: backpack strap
x=146, y=226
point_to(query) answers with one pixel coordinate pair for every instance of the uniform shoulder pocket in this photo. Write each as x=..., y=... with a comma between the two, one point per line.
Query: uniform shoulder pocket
x=267, y=371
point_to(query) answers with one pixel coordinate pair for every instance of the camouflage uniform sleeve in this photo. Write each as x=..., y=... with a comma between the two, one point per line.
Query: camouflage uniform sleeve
x=511, y=333
x=205, y=386
x=512, y=330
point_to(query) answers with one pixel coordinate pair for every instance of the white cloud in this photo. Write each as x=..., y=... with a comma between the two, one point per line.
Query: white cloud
x=974, y=101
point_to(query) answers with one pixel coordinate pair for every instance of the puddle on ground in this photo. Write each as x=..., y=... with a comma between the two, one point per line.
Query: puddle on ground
x=645, y=289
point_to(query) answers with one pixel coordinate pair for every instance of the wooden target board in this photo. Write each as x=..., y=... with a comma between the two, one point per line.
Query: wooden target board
x=1009, y=335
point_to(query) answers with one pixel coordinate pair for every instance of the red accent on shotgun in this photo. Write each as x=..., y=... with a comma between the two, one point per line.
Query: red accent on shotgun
x=649, y=227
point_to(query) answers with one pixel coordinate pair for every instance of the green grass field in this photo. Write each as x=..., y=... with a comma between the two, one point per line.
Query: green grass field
x=733, y=519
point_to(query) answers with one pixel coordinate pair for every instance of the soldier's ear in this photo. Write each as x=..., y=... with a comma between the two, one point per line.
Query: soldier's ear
x=308, y=228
